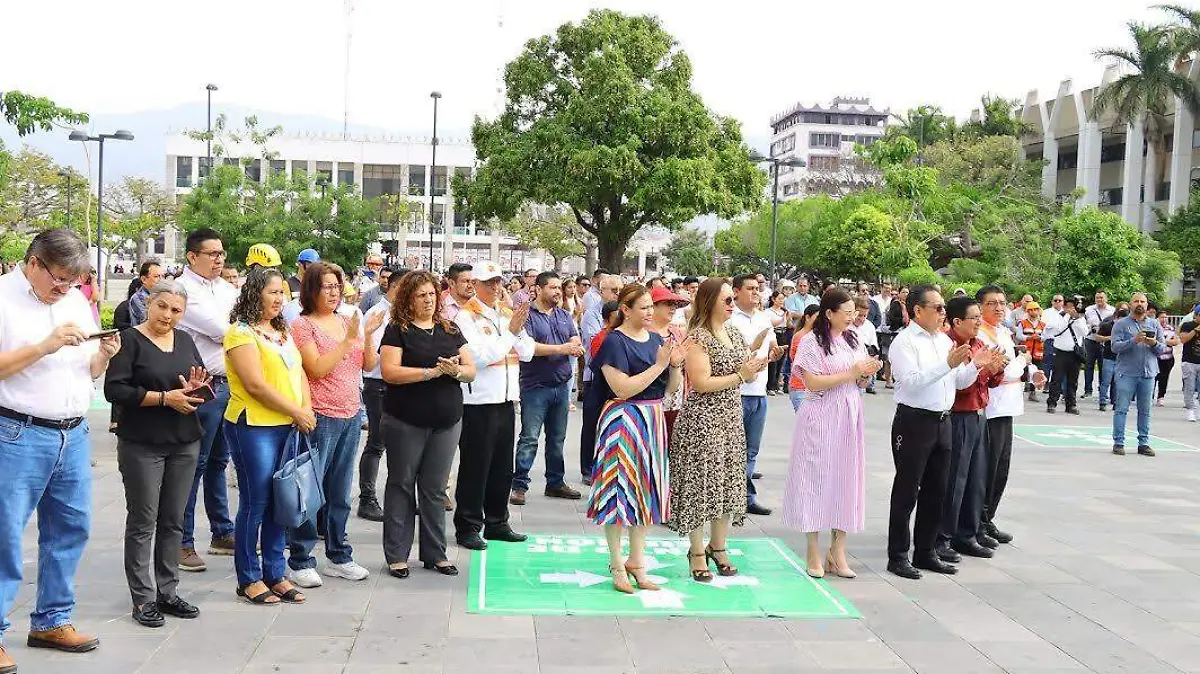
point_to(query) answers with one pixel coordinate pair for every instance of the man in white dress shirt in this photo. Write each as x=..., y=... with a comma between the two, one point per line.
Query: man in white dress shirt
x=209, y=301
x=47, y=365
x=1063, y=333
x=755, y=325
x=927, y=370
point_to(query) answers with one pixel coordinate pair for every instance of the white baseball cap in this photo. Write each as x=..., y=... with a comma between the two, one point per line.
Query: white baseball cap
x=486, y=271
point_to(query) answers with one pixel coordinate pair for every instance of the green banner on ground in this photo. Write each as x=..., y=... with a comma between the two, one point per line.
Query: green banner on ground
x=568, y=575
x=1090, y=436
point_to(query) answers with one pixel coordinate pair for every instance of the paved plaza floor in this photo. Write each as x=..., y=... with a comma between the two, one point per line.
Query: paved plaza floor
x=1102, y=577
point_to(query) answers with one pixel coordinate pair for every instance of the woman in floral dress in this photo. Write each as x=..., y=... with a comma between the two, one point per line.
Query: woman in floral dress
x=708, y=444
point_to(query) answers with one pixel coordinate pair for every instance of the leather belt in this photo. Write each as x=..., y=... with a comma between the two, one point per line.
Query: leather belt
x=938, y=416
x=56, y=424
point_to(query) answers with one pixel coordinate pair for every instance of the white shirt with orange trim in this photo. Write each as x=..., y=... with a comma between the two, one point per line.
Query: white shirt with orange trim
x=496, y=350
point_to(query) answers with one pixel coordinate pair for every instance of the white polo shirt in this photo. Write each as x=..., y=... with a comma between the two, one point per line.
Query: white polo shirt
x=58, y=386
x=206, y=319
x=751, y=326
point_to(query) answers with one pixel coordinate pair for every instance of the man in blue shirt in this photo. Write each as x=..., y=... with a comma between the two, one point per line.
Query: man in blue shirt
x=546, y=389
x=1137, y=340
x=798, y=301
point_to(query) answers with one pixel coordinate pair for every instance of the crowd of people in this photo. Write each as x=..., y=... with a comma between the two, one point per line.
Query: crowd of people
x=673, y=377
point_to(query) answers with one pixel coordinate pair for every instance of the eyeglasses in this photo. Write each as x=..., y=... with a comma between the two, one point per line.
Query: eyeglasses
x=1058, y=300
x=939, y=308
x=213, y=254
x=61, y=284
x=331, y=287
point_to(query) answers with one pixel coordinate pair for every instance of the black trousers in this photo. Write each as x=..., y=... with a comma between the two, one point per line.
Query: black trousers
x=999, y=456
x=1164, y=375
x=967, y=481
x=368, y=463
x=587, y=430
x=485, y=467
x=1091, y=368
x=1066, y=370
x=921, y=453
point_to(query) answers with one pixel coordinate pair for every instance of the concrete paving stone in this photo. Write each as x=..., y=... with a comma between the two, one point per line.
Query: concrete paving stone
x=473, y=626
x=470, y=652
x=553, y=627
x=316, y=624
x=943, y=657
x=669, y=652
x=903, y=621
x=747, y=630
x=586, y=669
x=294, y=668
x=843, y=655
x=1028, y=655
x=1113, y=656
x=829, y=630
x=974, y=620
x=302, y=650
x=397, y=651
x=566, y=651
x=765, y=654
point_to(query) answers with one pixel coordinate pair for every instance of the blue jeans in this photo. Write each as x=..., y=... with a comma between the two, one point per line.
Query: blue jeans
x=754, y=419
x=797, y=398
x=255, y=451
x=334, y=446
x=543, y=407
x=210, y=471
x=1107, y=370
x=48, y=471
x=1128, y=388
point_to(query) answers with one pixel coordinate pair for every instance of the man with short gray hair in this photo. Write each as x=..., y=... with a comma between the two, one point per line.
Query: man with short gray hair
x=46, y=330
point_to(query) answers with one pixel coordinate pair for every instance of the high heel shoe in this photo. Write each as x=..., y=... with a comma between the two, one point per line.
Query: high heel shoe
x=814, y=570
x=725, y=569
x=638, y=573
x=839, y=571
x=700, y=575
x=620, y=579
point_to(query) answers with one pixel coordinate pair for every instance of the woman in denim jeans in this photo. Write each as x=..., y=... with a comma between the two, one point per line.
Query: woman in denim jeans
x=334, y=355
x=268, y=395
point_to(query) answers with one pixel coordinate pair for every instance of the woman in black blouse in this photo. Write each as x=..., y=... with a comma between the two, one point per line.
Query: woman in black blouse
x=423, y=360
x=158, y=379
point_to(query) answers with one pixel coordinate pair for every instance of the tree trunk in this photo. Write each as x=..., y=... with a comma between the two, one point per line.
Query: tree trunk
x=589, y=257
x=612, y=254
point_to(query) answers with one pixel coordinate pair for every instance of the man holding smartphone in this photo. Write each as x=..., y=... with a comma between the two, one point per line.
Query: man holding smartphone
x=1138, y=341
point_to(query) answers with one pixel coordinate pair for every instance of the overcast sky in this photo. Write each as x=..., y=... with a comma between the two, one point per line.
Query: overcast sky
x=752, y=58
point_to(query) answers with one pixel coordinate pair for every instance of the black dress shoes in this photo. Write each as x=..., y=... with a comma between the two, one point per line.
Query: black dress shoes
x=904, y=569
x=148, y=615
x=987, y=541
x=755, y=509
x=972, y=549
x=368, y=509
x=756, y=476
x=934, y=564
x=177, y=607
x=505, y=534
x=947, y=554
x=471, y=541
x=1001, y=536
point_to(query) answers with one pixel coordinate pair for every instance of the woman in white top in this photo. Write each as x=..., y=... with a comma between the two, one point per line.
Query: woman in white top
x=778, y=317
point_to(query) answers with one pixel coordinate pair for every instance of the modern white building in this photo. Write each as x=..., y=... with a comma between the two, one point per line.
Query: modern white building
x=1112, y=164
x=379, y=166
x=824, y=137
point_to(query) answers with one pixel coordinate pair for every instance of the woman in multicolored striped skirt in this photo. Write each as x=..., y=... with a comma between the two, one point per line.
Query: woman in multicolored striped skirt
x=633, y=370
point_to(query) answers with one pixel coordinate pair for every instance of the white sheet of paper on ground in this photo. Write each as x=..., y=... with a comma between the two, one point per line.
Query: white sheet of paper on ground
x=729, y=581
x=661, y=598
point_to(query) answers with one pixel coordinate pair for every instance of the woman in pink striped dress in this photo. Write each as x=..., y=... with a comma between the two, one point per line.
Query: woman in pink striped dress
x=825, y=486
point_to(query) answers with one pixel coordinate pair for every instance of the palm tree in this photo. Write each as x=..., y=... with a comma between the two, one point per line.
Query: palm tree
x=1147, y=92
x=1185, y=32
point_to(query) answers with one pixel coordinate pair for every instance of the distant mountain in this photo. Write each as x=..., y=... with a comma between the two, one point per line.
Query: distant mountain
x=146, y=155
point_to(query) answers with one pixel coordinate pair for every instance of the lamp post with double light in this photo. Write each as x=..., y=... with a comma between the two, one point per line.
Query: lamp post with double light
x=82, y=137
x=433, y=174
x=775, y=163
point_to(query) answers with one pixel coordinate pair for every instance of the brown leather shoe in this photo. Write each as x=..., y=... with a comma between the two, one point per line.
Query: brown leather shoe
x=190, y=560
x=63, y=638
x=7, y=664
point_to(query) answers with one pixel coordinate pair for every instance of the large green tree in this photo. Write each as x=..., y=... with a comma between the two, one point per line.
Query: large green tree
x=138, y=209
x=601, y=117
x=690, y=253
x=33, y=195
x=1107, y=253
x=30, y=113
x=553, y=230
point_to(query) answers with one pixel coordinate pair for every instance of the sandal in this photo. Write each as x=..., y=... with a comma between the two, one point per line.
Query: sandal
x=264, y=598
x=725, y=569
x=638, y=573
x=700, y=575
x=620, y=579
x=291, y=595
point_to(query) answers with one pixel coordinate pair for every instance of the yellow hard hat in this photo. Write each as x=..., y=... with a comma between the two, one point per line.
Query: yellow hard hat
x=264, y=255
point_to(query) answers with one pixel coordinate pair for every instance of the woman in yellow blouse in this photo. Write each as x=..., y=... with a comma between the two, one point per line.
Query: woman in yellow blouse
x=268, y=395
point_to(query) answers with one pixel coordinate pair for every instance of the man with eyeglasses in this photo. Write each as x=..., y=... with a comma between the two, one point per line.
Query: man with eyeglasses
x=1056, y=309
x=206, y=320
x=1066, y=331
x=928, y=369
x=47, y=364
x=1095, y=315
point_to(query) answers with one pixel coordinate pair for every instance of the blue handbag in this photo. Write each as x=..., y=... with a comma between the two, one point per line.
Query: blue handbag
x=296, y=483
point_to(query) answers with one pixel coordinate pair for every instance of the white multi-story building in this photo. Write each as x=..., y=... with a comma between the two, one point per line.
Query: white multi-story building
x=824, y=137
x=1112, y=164
x=379, y=166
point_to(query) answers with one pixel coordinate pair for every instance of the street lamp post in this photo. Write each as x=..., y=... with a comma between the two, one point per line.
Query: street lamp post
x=67, y=175
x=433, y=174
x=775, y=162
x=82, y=137
x=208, y=141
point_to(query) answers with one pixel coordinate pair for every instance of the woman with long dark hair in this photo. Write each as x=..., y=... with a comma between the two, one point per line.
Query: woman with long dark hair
x=424, y=359
x=634, y=369
x=708, y=443
x=825, y=486
x=268, y=396
x=796, y=376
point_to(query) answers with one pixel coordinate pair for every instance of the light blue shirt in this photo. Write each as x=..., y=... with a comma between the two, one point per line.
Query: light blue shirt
x=797, y=303
x=1136, y=360
x=590, y=326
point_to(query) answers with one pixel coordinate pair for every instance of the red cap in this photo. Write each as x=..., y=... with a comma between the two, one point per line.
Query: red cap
x=664, y=295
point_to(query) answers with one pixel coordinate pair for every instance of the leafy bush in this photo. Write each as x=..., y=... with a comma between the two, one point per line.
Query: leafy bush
x=106, y=317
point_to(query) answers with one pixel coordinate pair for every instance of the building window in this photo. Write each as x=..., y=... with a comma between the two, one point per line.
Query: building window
x=253, y=169
x=822, y=163
x=1164, y=192
x=299, y=167
x=325, y=170
x=1196, y=138
x=1068, y=160
x=440, y=174
x=1111, y=196
x=1111, y=153
x=380, y=179
x=183, y=172
x=230, y=161
x=866, y=141
x=346, y=175
x=416, y=180
x=277, y=167
x=783, y=145
x=833, y=140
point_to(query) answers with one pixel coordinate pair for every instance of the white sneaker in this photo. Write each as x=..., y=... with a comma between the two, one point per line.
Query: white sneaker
x=350, y=570
x=304, y=577
x=1191, y=415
